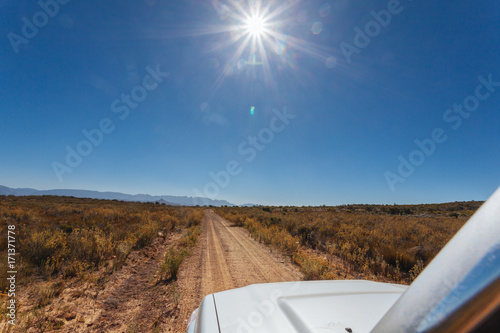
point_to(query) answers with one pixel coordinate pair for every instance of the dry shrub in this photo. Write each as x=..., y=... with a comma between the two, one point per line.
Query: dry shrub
x=172, y=262
x=124, y=247
x=371, y=240
x=146, y=233
x=239, y=220
x=314, y=268
x=69, y=236
x=190, y=237
x=75, y=268
x=45, y=244
x=168, y=222
x=175, y=254
x=195, y=218
x=287, y=244
x=91, y=245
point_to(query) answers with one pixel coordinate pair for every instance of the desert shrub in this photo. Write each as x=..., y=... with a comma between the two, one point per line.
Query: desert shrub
x=387, y=241
x=91, y=245
x=239, y=219
x=287, y=244
x=172, y=262
x=417, y=269
x=146, y=233
x=176, y=253
x=75, y=268
x=190, y=237
x=168, y=222
x=195, y=218
x=314, y=268
x=124, y=247
x=68, y=236
x=52, y=265
x=66, y=228
x=42, y=245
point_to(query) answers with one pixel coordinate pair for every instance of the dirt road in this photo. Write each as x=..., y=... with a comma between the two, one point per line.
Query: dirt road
x=225, y=258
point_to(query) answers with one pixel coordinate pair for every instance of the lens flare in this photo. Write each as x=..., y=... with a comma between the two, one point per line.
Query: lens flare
x=255, y=26
x=264, y=41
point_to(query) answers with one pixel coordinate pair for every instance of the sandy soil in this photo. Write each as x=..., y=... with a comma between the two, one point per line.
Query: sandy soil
x=225, y=258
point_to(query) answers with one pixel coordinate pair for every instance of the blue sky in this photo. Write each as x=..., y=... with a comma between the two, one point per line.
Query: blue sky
x=340, y=89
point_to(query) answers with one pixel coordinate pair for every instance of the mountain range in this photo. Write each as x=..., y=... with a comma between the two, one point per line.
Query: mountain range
x=166, y=199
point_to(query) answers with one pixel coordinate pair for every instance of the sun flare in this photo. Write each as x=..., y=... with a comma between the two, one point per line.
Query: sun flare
x=260, y=39
x=255, y=26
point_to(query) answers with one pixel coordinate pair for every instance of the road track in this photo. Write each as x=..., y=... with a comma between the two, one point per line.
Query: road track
x=226, y=257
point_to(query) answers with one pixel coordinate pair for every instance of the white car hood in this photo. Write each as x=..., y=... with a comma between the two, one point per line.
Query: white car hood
x=313, y=306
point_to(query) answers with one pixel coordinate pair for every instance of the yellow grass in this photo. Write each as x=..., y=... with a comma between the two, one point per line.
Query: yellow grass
x=389, y=243
x=69, y=236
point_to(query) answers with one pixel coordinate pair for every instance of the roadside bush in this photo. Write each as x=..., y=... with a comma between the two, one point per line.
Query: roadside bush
x=190, y=238
x=377, y=240
x=195, y=218
x=313, y=268
x=172, y=262
x=175, y=254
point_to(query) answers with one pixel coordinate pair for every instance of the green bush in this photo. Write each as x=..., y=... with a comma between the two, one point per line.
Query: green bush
x=172, y=262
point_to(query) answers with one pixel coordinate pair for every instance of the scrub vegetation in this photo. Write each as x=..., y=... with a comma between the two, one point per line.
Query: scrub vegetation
x=107, y=265
x=379, y=242
x=66, y=243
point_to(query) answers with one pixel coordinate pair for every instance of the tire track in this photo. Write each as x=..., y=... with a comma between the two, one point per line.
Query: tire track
x=225, y=258
x=217, y=272
x=250, y=247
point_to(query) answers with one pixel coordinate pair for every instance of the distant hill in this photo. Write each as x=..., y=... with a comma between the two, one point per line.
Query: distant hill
x=165, y=202
x=166, y=199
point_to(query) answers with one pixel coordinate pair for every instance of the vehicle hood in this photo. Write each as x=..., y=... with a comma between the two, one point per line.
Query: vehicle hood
x=312, y=306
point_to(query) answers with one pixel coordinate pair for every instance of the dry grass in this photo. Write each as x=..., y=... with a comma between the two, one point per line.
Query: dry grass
x=374, y=242
x=65, y=243
x=67, y=237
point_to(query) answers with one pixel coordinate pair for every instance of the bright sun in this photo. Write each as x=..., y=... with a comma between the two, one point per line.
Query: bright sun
x=255, y=26
x=253, y=29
